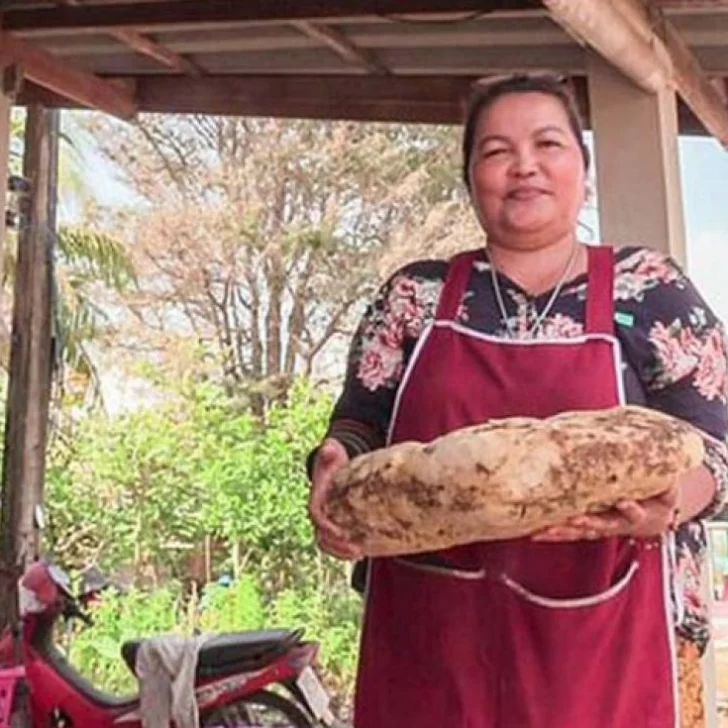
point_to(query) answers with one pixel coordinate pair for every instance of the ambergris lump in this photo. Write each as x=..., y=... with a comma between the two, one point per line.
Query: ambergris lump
x=508, y=478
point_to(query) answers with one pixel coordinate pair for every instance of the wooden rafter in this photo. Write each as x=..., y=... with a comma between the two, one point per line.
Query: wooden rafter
x=721, y=87
x=342, y=46
x=147, y=47
x=695, y=87
x=181, y=13
x=53, y=74
x=647, y=49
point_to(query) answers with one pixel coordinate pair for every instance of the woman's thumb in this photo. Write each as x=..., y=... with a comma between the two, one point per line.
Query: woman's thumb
x=330, y=452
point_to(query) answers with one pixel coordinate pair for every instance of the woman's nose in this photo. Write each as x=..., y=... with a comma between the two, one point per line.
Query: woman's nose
x=524, y=163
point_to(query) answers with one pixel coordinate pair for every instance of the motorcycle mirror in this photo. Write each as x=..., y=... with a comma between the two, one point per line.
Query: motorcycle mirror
x=39, y=516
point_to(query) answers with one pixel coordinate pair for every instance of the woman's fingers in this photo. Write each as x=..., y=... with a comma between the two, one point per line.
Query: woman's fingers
x=564, y=533
x=590, y=528
x=335, y=546
x=640, y=519
x=329, y=537
x=635, y=513
x=668, y=498
x=330, y=457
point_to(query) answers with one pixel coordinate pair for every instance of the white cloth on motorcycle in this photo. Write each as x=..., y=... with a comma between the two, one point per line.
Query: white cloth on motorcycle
x=166, y=667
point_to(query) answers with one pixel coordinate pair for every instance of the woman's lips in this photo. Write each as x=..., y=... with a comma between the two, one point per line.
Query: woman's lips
x=524, y=194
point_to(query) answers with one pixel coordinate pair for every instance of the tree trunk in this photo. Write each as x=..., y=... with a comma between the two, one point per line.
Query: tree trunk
x=273, y=322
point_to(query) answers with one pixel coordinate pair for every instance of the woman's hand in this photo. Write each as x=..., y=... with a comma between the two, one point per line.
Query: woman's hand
x=636, y=519
x=330, y=457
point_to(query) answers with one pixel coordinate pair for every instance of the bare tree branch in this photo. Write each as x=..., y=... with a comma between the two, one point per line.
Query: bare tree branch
x=272, y=231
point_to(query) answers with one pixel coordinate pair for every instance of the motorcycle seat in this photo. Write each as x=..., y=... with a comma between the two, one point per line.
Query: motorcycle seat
x=222, y=654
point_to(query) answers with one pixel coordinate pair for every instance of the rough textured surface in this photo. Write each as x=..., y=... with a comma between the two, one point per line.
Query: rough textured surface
x=508, y=478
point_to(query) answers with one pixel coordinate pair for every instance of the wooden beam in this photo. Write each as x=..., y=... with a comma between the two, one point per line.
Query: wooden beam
x=604, y=28
x=181, y=13
x=695, y=87
x=425, y=99
x=84, y=88
x=647, y=50
x=299, y=96
x=685, y=73
x=245, y=96
x=721, y=87
x=342, y=46
x=30, y=370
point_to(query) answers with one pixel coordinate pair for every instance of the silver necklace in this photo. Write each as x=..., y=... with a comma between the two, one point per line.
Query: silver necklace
x=532, y=332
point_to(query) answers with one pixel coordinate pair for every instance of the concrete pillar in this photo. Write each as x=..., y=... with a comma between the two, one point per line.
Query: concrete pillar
x=637, y=166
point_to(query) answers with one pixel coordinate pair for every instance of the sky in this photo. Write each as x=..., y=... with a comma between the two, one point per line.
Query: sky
x=704, y=169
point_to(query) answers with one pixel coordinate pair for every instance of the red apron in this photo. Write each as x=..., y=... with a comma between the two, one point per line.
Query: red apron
x=516, y=633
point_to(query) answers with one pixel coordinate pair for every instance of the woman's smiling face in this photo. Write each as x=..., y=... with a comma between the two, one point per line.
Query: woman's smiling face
x=527, y=174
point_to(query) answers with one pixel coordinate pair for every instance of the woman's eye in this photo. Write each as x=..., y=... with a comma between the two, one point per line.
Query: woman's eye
x=493, y=152
x=549, y=143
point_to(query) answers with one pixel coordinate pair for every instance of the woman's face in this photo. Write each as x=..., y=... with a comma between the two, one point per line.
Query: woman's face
x=527, y=176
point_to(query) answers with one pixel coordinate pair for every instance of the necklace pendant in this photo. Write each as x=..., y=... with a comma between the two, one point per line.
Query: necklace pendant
x=531, y=330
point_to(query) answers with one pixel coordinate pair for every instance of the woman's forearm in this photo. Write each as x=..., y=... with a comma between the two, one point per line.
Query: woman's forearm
x=703, y=492
x=697, y=491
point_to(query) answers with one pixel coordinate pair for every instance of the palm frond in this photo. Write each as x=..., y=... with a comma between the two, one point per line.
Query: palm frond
x=95, y=255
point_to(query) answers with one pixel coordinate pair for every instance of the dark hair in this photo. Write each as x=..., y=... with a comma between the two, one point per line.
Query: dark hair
x=486, y=92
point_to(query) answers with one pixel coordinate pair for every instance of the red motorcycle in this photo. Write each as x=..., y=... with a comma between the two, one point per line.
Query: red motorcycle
x=262, y=679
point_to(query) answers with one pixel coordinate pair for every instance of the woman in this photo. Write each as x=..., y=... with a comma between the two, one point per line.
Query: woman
x=576, y=626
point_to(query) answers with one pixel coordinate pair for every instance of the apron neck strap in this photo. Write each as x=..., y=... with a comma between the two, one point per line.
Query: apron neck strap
x=600, y=290
x=456, y=281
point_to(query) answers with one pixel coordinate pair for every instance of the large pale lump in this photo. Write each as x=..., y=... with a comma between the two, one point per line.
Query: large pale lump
x=508, y=478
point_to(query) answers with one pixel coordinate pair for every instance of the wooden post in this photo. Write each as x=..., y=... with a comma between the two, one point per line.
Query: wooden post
x=6, y=107
x=30, y=370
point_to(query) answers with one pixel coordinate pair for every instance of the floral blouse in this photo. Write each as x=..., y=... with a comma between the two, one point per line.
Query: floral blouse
x=673, y=359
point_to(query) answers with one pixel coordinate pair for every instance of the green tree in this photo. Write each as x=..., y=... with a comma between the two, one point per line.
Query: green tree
x=146, y=487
